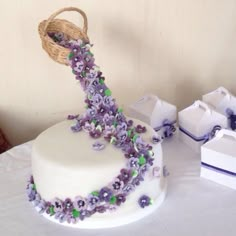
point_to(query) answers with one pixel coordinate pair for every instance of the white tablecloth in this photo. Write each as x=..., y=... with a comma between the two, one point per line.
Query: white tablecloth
x=193, y=206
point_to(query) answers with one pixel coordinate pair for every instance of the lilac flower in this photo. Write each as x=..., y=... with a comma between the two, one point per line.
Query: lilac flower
x=108, y=119
x=91, y=90
x=95, y=133
x=133, y=163
x=105, y=194
x=144, y=201
x=108, y=101
x=121, y=127
x=97, y=100
x=88, y=127
x=120, y=117
x=97, y=146
x=137, y=180
x=80, y=203
x=128, y=188
x=92, y=74
x=31, y=192
x=92, y=112
x=131, y=152
x=93, y=201
x=125, y=175
x=122, y=136
x=58, y=205
x=72, y=117
x=102, y=110
x=140, y=129
x=156, y=139
x=144, y=168
x=77, y=127
x=100, y=88
x=100, y=209
x=117, y=185
x=130, y=123
x=140, y=144
x=84, y=214
x=120, y=198
x=68, y=205
x=79, y=66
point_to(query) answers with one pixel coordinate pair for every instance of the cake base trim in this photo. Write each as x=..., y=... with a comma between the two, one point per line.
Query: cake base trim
x=99, y=221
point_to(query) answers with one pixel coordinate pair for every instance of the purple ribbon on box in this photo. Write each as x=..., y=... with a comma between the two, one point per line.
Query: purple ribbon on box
x=168, y=128
x=232, y=118
x=205, y=138
x=217, y=169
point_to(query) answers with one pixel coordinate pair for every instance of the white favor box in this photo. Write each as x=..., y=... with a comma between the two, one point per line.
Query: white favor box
x=218, y=159
x=198, y=124
x=159, y=114
x=224, y=102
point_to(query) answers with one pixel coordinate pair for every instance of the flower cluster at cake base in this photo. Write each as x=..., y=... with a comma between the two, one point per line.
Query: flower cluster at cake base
x=102, y=118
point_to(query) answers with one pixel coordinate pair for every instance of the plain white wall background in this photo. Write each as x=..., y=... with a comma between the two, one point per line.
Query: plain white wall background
x=177, y=49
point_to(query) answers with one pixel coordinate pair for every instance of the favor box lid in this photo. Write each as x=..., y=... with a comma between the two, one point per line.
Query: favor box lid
x=200, y=119
x=220, y=152
x=152, y=110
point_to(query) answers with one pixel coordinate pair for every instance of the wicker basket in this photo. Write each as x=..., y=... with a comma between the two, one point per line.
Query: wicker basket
x=56, y=52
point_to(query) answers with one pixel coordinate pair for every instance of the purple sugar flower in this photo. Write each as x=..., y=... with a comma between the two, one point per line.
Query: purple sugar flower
x=97, y=146
x=144, y=201
x=108, y=119
x=121, y=127
x=105, y=194
x=120, y=198
x=79, y=66
x=80, y=203
x=137, y=180
x=84, y=214
x=88, y=126
x=77, y=127
x=68, y=205
x=101, y=89
x=58, y=205
x=91, y=112
x=156, y=139
x=131, y=152
x=93, y=201
x=100, y=209
x=108, y=101
x=128, y=188
x=72, y=117
x=97, y=100
x=112, y=110
x=92, y=74
x=144, y=168
x=96, y=133
x=125, y=175
x=91, y=90
x=120, y=117
x=133, y=163
x=117, y=185
x=140, y=129
x=122, y=136
x=102, y=110
x=140, y=144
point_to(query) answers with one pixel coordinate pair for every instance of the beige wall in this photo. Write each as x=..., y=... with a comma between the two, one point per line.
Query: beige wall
x=175, y=49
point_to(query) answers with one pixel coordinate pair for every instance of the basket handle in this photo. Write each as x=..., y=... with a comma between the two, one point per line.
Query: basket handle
x=85, y=27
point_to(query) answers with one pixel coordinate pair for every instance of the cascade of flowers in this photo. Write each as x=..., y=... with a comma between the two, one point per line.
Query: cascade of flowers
x=102, y=118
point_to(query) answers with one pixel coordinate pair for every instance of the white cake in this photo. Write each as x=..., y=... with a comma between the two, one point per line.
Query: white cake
x=64, y=165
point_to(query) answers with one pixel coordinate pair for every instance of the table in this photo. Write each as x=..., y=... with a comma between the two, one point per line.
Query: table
x=193, y=206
